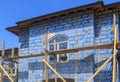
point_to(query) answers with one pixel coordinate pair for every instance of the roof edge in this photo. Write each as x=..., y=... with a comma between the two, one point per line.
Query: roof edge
x=90, y=4
x=25, y=23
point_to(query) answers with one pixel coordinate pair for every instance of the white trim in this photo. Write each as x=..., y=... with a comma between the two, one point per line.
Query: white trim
x=59, y=35
x=58, y=43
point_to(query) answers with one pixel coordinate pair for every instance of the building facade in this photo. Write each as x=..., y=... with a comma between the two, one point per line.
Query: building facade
x=78, y=27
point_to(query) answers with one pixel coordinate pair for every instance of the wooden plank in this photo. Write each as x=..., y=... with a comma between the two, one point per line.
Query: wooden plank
x=6, y=73
x=117, y=40
x=115, y=46
x=55, y=60
x=25, y=56
x=70, y=50
x=46, y=57
x=12, y=55
x=3, y=54
x=46, y=67
x=101, y=67
x=54, y=70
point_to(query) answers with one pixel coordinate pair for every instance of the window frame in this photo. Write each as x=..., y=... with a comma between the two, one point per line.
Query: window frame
x=58, y=48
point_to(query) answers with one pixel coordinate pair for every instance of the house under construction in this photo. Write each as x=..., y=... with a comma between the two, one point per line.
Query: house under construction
x=80, y=44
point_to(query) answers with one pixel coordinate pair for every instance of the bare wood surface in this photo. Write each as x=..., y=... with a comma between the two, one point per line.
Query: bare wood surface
x=71, y=50
x=6, y=73
x=3, y=54
x=55, y=60
x=46, y=67
x=46, y=57
x=12, y=55
x=114, y=78
x=25, y=56
x=54, y=71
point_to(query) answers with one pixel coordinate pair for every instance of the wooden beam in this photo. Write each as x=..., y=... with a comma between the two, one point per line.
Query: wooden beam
x=115, y=46
x=46, y=67
x=25, y=56
x=54, y=70
x=55, y=60
x=3, y=54
x=46, y=57
x=70, y=50
x=12, y=52
x=12, y=55
x=6, y=73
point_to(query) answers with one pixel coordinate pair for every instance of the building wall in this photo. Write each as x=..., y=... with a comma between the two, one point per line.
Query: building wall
x=103, y=35
x=82, y=29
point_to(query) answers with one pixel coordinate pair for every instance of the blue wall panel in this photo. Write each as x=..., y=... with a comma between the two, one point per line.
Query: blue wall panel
x=82, y=29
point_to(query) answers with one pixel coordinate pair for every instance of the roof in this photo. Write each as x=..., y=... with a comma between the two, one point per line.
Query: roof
x=99, y=6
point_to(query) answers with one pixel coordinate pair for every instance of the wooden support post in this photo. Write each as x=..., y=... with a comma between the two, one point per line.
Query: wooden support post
x=46, y=67
x=55, y=60
x=54, y=70
x=12, y=55
x=6, y=73
x=17, y=66
x=117, y=75
x=55, y=57
x=115, y=46
x=46, y=57
x=117, y=67
x=3, y=53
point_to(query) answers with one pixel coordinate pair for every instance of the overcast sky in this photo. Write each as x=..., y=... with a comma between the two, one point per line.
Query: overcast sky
x=12, y=11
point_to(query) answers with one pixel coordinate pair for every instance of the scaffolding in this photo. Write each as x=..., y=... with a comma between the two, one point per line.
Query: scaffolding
x=115, y=46
x=9, y=70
